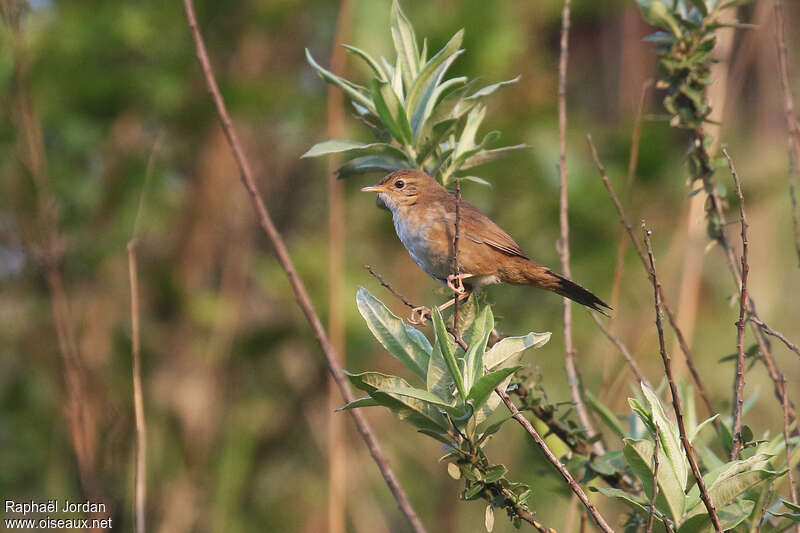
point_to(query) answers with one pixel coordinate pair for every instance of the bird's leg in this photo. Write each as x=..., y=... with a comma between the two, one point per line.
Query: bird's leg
x=419, y=315
x=455, y=282
x=462, y=296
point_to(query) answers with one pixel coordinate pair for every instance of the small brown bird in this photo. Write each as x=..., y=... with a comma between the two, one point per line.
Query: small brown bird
x=424, y=216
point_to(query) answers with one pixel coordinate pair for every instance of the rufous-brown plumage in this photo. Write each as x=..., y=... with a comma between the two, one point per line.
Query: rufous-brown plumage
x=424, y=215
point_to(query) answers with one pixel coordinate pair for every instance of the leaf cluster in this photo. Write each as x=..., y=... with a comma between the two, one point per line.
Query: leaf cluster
x=419, y=119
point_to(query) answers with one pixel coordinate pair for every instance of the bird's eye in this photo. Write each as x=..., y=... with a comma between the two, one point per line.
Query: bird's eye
x=399, y=184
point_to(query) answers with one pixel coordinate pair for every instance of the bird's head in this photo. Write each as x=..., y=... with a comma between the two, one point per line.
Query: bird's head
x=404, y=188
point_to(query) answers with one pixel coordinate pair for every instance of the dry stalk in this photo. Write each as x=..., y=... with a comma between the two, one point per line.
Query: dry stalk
x=303, y=299
x=563, y=217
x=676, y=400
x=738, y=389
x=701, y=389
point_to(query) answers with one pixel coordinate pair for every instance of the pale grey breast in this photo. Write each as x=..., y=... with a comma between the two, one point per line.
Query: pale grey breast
x=432, y=260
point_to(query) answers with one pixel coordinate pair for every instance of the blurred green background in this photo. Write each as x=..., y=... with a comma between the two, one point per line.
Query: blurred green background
x=234, y=383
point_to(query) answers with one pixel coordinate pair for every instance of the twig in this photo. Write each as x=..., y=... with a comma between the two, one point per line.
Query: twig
x=795, y=224
x=652, y=515
x=787, y=443
x=388, y=287
x=788, y=98
x=676, y=400
x=297, y=284
x=738, y=389
x=526, y=515
x=598, y=518
x=777, y=334
x=563, y=243
x=140, y=478
x=687, y=353
x=456, y=267
x=77, y=410
x=622, y=350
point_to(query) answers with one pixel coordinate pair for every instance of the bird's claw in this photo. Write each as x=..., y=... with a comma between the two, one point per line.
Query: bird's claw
x=420, y=315
x=456, y=282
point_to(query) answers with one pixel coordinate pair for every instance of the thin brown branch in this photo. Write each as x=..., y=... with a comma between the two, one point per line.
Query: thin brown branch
x=777, y=334
x=651, y=516
x=576, y=488
x=77, y=412
x=303, y=299
x=388, y=287
x=563, y=216
x=687, y=353
x=676, y=400
x=738, y=388
x=140, y=477
x=795, y=223
x=787, y=443
x=622, y=350
x=788, y=98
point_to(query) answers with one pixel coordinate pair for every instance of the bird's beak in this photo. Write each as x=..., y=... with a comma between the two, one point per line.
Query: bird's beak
x=373, y=188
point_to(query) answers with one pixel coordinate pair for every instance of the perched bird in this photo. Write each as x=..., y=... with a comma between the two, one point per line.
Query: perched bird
x=424, y=216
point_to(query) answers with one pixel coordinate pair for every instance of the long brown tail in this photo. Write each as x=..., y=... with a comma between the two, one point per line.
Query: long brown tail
x=532, y=273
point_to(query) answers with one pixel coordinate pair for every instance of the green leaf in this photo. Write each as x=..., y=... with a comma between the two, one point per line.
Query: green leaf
x=701, y=6
x=390, y=110
x=474, y=179
x=700, y=427
x=366, y=401
x=355, y=92
x=727, y=482
x=486, y=156
x=669, y=436
x=658, y=14
x=467, y=140
x=405, y=43
x=374, y=65
x=605, y=413
x=639, y=455
x=473, y=359
x=489, y=89
x=495, y=473
x=729, y=517
x=371, y=163
x=439, y=381
x=429, y=78
x=484, y=387
x=353, y=148
x=370, y=382
x=636, y=503
x=500, y=353
x=405, y=343
x=447, y=353
x=405, y=394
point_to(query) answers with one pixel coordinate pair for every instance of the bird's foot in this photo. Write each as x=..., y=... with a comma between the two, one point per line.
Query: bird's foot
x=420, y=315
x=456, y=282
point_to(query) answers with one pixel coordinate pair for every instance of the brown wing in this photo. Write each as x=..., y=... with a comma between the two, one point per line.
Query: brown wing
x=480, y=229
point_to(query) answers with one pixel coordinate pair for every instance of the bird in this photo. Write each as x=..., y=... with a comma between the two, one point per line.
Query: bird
x=424, y=216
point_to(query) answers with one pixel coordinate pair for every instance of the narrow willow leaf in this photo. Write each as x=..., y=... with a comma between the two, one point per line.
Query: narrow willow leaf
x=374, y=65
x=670, y=500
x=475, y=179
x=657, y=13
x=473, y=359
x=370, y=382
x=498, y=354
x=353, y=148
x=489, y=89
x=729, y=517
x=447, y=353
x=486, y=156
x=356, y=93
x=372, y=163
x=404, y=342
x=366, y=401
x=429, y=78
x=484, y=387
x=701, y=426
x=387, y=111
x=405, y=43
x=637, y=504
x=439, y=381
x=611, y=420
x=467, y=140
x=669, y=435
x=488, y=519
